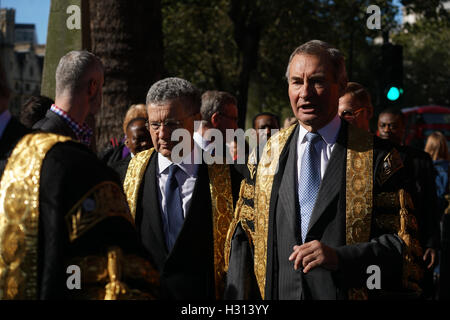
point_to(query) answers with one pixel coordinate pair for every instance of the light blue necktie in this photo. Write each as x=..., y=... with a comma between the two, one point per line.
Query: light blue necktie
x=175, y=218
x=309, y=182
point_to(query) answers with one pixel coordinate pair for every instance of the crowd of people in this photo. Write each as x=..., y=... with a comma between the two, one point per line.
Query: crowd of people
x=177, y=208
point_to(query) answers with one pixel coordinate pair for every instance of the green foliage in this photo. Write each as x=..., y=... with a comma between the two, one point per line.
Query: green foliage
x=426, y=55
x=215, y=43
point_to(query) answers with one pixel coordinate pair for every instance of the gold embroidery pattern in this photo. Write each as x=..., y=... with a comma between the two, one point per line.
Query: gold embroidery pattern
x=104, y=200
x=391, y=200
x=359, y=188
x=19, y=216
x=359, y=185
x=242, y=213
x=103, y=277
x=267, y=169
x=248, y=191
x=134, y=177
x=412, y=272
x=222, y=207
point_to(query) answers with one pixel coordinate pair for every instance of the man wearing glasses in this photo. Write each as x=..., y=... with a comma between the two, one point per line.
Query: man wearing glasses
x=355, y=106
x=219, y=111
x=182, y=207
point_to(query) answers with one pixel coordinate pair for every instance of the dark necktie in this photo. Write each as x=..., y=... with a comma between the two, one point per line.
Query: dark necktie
x=174, y=207
x=309, y=182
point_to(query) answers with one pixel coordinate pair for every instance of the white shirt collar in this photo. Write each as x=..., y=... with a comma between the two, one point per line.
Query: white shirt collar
x=4, y=120
x=187, y=164
x=328, y=133
x=202, y=142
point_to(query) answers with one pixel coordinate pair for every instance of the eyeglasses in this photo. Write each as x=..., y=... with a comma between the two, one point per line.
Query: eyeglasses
x=170, y=124
x=352, y=114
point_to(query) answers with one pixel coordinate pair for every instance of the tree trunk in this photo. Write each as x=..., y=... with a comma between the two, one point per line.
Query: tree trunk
x=247, y=31
x=127, y=36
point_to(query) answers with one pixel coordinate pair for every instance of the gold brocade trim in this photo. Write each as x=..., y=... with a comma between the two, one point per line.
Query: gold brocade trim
x=267, y=169
x=222, y=210
x=115, y=289
x=248, y=191
x=103, y=276
x=133, y=179
x=412, y=272
x=242, y=212
x=104, y=200
x=359, y=192
x=391, y=200
x=19, y=216
x=359, y=185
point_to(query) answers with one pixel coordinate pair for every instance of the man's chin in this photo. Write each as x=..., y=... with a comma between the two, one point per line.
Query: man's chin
x=165, y=152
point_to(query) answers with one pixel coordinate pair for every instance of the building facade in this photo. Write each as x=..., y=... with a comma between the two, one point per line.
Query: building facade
x=21, y=57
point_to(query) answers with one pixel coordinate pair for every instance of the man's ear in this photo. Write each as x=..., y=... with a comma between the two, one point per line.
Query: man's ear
x=215, y=119
x=126, y=142
x=92, y=87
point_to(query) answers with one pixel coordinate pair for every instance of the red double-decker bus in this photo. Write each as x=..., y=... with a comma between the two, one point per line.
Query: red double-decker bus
x=423, y=120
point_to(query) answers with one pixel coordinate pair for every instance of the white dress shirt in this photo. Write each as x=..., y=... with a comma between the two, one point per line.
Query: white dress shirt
x=329, y=135
x=186, y=178
x=4, y=120
x=202, y=142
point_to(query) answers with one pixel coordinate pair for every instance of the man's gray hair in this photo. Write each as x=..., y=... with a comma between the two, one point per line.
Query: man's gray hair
x=215, y=101
x=170, y=89
x=318, y=48
x=72, y=68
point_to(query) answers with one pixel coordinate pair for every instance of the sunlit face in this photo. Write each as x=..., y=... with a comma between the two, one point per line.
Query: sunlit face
x=138, y=137
x=313, y=91
x=166, y=118
x=263, y=126
x=351, y=110
x=391, y=126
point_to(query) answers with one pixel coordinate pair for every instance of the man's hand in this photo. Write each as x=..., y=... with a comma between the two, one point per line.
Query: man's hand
x=313, y=254
x=432, y=253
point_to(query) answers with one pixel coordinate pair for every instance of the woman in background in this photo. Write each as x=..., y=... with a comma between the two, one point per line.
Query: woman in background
x=436, y=146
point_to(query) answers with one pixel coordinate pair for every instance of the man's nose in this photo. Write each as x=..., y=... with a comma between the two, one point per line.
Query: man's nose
x=305, y=90
x=164, y=132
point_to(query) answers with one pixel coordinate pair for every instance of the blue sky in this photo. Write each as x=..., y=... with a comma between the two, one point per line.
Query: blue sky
x=31, y=11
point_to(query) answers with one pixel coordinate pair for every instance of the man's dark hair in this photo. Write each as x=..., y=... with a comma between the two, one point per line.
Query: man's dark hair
x=266, y=114
x=214, y=101
x=394, y=111
x=34, y=109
